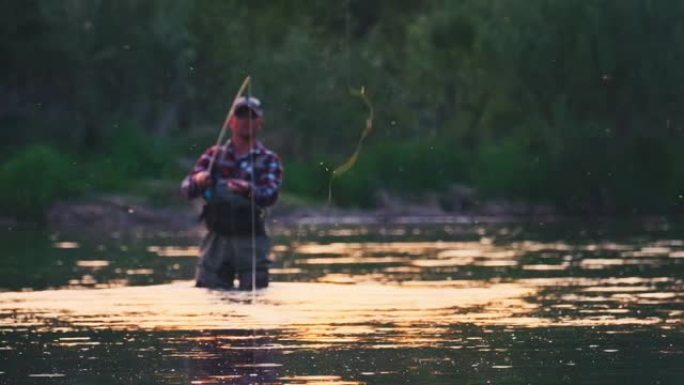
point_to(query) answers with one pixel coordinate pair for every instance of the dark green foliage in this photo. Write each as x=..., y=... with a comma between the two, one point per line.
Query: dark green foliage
x=507, y=169
x=402, y=167
x=32, y=179
x=576, y=102
x=38, y=175
x=309, y=180
x=131, y=155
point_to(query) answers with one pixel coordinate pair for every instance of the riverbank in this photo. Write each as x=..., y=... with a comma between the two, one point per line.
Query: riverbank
x=132, y=215
x=127, y=214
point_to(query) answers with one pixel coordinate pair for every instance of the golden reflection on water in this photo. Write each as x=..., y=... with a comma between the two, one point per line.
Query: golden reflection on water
x=375, y=247
x=318, y=380
x=304, y=307
x=372, y=307
x=174, y=251
x=139, y=272
x=483, y=253
x=92, y=264
x=351, y=260
x=405, y=257
x=431, y=254
x=546, y=267
x=325, y=314
x=66, y=245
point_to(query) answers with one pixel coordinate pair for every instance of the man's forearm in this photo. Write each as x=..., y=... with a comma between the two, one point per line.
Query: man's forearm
x=265, y=196
x=189, y=188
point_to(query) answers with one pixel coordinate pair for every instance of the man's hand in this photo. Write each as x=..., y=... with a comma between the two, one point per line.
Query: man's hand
x=203, y=179
x=239, y=186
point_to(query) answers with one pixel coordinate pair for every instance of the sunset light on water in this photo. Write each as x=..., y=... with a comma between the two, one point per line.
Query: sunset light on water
x=342, y=300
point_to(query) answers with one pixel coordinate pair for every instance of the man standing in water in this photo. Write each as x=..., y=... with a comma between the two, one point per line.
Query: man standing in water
x=244, y=180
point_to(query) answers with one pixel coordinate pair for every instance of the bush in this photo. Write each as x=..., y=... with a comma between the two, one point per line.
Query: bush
x=34, y=178
x=306, y=180
x=133, y=155
x=403, y=168
x=503, y=169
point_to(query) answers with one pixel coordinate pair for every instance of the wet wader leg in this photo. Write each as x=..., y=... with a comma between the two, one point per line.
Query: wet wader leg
x=261, y=280
x=227, y=275
x=243, y=261
x=214, y=269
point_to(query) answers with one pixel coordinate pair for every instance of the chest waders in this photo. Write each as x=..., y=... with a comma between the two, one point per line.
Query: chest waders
x=232, y=217
x=229, y=214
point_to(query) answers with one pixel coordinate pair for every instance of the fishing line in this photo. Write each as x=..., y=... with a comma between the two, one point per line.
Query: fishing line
x=249, y=57
x=361, y=93
x=351, y=161
x=251, y=194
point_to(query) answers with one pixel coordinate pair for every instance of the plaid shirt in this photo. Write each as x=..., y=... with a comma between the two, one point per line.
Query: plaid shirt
x=268, y=172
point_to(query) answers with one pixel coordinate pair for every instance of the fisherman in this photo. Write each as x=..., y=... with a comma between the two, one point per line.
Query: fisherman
x=244, y=180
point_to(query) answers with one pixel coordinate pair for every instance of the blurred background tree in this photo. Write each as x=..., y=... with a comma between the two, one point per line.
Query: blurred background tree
x=575, y=103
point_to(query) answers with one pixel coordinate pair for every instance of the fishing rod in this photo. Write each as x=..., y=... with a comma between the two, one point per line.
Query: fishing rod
x=224, y=128
x=245, y=87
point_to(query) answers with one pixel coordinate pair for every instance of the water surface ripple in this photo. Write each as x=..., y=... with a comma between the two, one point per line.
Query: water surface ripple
x=352, y=304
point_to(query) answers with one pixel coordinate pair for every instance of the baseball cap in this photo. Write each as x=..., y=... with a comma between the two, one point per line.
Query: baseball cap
x=250, y=102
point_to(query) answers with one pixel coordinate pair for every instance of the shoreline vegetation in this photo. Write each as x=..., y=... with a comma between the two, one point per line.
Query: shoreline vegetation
x=117, y=193
x=129, y=215
x=540, y=102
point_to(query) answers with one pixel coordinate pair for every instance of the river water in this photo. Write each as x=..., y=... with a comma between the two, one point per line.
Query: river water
x=352, y=303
